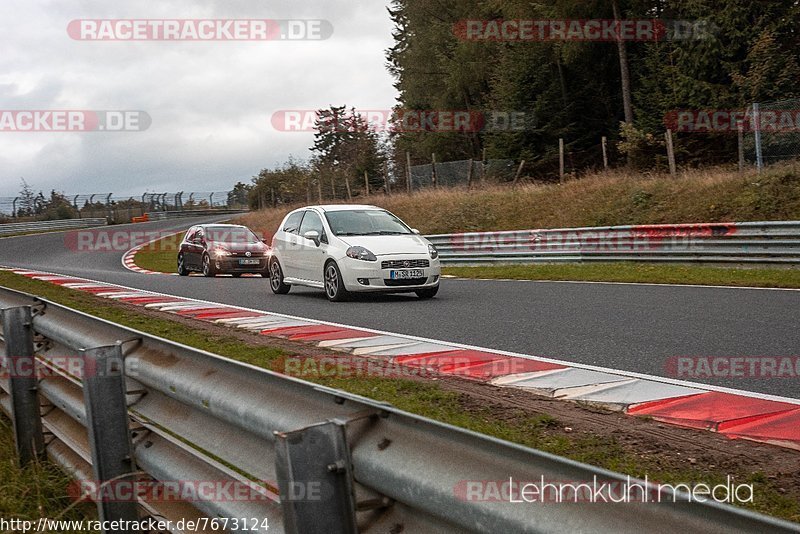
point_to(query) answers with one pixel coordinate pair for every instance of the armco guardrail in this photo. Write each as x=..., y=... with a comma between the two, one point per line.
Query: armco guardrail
x=311, y=459
x=159, y=215
x=749, y=242
x=43, y=226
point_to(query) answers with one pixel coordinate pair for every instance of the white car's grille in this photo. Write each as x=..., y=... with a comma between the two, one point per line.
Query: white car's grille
x=405, y=264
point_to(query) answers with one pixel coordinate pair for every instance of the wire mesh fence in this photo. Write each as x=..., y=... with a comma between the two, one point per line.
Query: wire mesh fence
x=772, y=132
x=116, y=209
x=461, y=173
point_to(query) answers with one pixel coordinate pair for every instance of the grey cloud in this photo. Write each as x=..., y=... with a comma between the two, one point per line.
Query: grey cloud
x=210, y=102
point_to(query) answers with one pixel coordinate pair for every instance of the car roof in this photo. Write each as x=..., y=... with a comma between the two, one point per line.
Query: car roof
x=223, y=225
x=342, y=207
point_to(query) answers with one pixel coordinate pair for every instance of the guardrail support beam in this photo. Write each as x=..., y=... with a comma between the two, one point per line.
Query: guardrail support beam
x=22, y=383
x=315, y=478
x=109, y=432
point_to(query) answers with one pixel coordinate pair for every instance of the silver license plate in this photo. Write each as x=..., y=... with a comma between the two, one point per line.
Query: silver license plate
x=405, y=275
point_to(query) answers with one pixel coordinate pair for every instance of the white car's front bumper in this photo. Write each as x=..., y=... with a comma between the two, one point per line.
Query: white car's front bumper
x=361, y=275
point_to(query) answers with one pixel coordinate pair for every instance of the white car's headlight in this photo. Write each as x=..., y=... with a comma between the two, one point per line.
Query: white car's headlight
x=360, y=253
x=433, y=252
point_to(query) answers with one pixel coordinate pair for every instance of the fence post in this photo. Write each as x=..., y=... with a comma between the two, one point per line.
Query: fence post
x=91, y=205
x=433, y=170
x=519, y=172
x=604, y=143
x=386, y=178
x=469, y=174
x=14, y=207
x=22, y=383
x=366, y=183
x=740, y=127
x=483, y=167
x=560, y=159
x=408, y=172
x=670, y=152
x=757, y=124
x=211, y=200
x=107, y=424
x=314, y=475
x=347, y=186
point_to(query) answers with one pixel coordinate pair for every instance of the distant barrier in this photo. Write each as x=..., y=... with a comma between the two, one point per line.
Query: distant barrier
x=749, y=242
x=161, y=215
x=43, y=226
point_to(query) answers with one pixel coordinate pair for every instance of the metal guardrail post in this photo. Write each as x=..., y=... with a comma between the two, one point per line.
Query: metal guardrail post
x=315, y=478
x=107, y=423
x=22, y=383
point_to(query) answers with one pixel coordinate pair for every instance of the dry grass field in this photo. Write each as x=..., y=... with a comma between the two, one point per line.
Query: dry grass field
x=612, y=198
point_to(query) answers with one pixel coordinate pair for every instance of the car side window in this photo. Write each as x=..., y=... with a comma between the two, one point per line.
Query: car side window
x=312, y=221
x=293, y=222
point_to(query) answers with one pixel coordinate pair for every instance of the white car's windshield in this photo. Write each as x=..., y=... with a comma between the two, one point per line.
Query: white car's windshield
x=365, y=222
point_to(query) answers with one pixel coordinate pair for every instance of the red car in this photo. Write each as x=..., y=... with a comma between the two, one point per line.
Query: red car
x=214, y=249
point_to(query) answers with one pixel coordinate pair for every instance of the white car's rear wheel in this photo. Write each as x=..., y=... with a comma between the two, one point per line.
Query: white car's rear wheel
x=276, y=283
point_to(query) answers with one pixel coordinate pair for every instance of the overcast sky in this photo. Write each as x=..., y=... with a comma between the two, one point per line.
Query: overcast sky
x=210, y=102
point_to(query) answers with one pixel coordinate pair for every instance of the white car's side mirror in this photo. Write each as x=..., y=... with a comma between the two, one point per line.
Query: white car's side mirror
x=415, y=231
x=312, y=235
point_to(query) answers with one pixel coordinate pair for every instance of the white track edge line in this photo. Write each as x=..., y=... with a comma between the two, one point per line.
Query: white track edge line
x=650, y=284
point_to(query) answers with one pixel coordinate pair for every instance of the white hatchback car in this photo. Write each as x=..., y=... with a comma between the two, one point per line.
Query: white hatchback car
x=351, y=248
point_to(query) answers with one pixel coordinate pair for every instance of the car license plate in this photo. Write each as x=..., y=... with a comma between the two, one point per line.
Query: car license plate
x=249, y=262
x=405, y=275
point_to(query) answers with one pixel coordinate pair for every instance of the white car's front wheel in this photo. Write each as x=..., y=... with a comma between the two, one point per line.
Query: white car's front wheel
x=334, y=285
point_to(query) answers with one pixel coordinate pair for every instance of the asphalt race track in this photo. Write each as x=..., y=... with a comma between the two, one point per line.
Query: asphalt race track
x=621, y=326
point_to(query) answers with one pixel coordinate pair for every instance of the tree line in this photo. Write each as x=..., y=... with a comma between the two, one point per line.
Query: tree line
x=348, y=159
x=583, y=90
x=576, y=90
